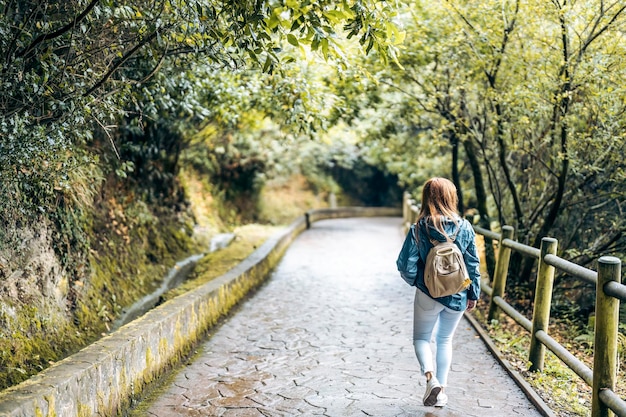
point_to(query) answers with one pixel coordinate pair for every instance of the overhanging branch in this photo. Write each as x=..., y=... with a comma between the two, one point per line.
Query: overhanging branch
x=46, y=36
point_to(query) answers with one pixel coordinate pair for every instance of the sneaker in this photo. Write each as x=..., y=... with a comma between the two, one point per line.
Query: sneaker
x=433, y=388
x=442, y=400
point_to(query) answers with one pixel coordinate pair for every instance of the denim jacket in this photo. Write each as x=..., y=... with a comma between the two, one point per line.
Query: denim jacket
x=466, y=241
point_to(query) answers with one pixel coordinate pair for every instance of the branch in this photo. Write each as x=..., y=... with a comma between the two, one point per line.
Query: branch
x=606, y=242
x=156, y=69
x=43, y=37
x=534, y=216
x=121, y=61
x=16, y=37
x=508, y=29
x=106, y=131
x=593, y=36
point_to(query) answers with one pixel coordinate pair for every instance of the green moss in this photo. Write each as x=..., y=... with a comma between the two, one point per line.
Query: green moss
x=248, y=239
x=84, y=411
x=51, y=406
x=163, y=347
x=34, y=339
x=131, y=248
x=149, y=358
x=154, y=391
x=120, y=277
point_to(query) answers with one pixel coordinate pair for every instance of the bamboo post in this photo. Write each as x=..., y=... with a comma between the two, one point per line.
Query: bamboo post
x=500, y=274
x=605, y=343
x=541, y=306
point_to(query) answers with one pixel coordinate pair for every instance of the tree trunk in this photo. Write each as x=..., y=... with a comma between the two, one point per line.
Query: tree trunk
x=481, y=203
x=456, y=179
x=560, y=129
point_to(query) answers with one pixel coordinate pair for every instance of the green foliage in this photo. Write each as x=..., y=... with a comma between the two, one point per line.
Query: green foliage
x=101, y=102
x=81, y=79
x=101, y=96
x=562, y=390
x=518, y=98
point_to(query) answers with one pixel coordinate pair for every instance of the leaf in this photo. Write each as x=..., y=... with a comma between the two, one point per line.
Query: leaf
x=315, y=44
x=370, y=45
x=391, y=52
x=292, y=40
x=273, y=21
x=335, y=16
x=325, y=48
x=267, y=65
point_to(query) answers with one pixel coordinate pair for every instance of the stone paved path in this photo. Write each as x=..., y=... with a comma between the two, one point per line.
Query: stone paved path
x=330, y=335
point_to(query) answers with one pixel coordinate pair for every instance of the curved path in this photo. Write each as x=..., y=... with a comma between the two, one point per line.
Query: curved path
x=329, y=334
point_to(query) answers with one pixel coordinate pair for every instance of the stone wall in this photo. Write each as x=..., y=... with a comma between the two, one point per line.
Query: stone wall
x=103, y=378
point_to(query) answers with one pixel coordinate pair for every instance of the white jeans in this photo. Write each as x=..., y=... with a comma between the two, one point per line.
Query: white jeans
x=427, y=314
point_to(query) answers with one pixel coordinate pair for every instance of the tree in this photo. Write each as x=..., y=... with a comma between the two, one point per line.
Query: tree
x=89, y=81
x=525, y=96
x=76, y=62
x=100, y=102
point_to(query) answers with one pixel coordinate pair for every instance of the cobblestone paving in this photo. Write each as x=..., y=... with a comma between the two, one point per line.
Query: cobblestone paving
x=330, y=335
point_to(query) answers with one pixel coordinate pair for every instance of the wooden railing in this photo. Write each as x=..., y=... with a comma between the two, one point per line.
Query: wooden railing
x=609, y=292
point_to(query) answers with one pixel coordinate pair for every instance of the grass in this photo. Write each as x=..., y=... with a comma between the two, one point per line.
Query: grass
x=281, y=202
x=561, y=389
x=247, y=239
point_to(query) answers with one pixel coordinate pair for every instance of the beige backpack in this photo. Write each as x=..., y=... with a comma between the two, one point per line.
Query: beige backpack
x=445, y=272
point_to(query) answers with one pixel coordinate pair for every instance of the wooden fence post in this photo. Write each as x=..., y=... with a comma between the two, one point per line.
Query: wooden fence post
x=406, y=207
x=500, y=274
x=543, y=300
x=605, y=343
x=415, y=211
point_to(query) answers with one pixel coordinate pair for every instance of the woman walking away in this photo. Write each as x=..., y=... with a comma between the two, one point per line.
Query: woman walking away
x=439, y=220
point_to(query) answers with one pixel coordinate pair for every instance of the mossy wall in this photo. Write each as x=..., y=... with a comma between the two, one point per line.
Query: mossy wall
x=54, y=301
x=105, y=377
x=48, y=311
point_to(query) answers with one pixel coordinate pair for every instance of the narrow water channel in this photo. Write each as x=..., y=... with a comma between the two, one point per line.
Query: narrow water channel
x=176, y=276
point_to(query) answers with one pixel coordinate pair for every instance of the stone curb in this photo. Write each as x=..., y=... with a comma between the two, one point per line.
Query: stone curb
x=103, y=378
x=526, y=388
